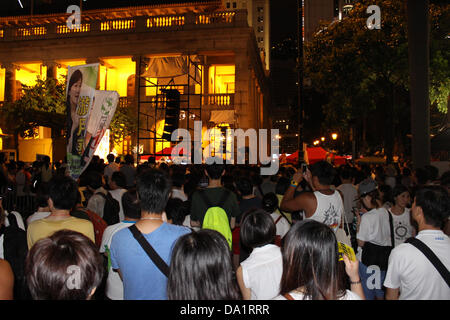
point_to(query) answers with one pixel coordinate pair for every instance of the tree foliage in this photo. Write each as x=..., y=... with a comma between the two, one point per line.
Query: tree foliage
x=363, y=70
x=48, y=97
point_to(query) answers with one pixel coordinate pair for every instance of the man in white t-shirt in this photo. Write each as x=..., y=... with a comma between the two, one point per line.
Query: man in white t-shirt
x=410, y=274
x=324, y=205
x=117, y=184
x=132, y=211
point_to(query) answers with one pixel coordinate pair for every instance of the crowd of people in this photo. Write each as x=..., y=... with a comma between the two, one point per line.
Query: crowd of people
x=223, y=232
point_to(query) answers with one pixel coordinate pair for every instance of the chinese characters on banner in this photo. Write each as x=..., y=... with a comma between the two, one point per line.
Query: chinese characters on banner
x=89, y=113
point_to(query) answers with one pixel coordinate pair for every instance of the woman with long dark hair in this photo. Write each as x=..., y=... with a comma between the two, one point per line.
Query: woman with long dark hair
x=73, y=94
x=311, y=269
x=201, y=268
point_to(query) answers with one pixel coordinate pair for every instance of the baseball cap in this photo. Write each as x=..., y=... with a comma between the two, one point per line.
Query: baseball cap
x=366, y=186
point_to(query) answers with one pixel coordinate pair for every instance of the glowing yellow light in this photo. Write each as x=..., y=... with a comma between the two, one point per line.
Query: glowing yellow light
x=323, y=138
x=316, y=142
x=334, y=136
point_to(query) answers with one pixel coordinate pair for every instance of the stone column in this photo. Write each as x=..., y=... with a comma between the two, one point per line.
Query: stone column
x=10, y=82
x=52, y=68
x=243, y=83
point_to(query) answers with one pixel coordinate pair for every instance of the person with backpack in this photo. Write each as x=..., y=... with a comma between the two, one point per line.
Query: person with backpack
x=214, y=197
x=419, y=268
x=141, y=253
x=102, y=202
x=270, y=205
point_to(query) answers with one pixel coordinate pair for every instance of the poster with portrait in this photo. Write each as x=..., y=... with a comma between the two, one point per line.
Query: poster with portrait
x=80, y=92
x=105, y=104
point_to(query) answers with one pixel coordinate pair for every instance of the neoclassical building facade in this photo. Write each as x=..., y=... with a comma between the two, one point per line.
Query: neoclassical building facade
x=232, y=91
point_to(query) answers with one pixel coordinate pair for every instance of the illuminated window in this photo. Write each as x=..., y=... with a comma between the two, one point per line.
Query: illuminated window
x=221, y=79
x=260, y=29
x=260, y=19
x=260, y=9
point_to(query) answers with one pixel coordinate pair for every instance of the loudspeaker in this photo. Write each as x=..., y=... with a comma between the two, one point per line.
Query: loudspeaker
x=172, y=112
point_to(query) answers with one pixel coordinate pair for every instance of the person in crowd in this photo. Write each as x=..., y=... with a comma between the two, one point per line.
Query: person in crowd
x=270, y=205
x=110, y=168
x=201, y=268
x=350, y=195
x=64, y=266
x=176, y=211
x=374, y=231
x=132, y=212
x=117, y=184
x=411, y=275
x=6, y=281
x=324, y=204
x=386, y=196
x=391, y=174
x=214, y=192
x=46, y=170
x=96, y=202
x=248, y=200
x=43, y=211
x=311, y=266
x=129, y=171
x=406, y=178
x=269, y=183
x=403, y=228
x=280, y=189
x=62, y=198
x=259, y=275
x=142, y=279
x=177, y=186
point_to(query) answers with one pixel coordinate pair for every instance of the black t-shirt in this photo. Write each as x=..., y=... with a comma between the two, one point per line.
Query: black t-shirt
x=248, y=204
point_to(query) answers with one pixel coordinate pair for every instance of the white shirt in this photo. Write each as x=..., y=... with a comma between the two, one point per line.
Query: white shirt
x=38, y=215
x=262, y=272
x=110, y=169
x=350, y=199
x=402, y=226
x=114, y=285
x=178, y=193
x=412, y=272
x=96, y=202
x=117, y=194
x=375, y=227
x=349, y=295
x=330, y=209
x=282, y=225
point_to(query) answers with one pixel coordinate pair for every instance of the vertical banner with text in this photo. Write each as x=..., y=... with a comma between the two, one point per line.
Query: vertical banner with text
x=105, y=104
x=81, y=84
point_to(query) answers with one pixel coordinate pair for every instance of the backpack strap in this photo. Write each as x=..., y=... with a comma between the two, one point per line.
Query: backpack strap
x=223, y=199
x=154, y=256
x=284, y=216
x=432, y=257
x=288, y=296
x=205, y=198
x=278, y=219
x=391, y=226
x=12, y=220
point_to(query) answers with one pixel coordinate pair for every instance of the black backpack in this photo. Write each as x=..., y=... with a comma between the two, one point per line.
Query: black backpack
x=111, y=209
x=15, y=252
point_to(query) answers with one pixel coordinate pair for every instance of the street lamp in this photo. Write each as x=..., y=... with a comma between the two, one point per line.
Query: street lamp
x=334, y=136
x=316, y=142
x=323, y=139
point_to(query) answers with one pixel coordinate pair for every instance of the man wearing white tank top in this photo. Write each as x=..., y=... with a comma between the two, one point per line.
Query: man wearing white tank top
x=324, y=204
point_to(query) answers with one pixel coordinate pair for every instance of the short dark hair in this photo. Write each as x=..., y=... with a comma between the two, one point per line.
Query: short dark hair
x=110, y=157
x=153, y=187
x=282, y=185
x=201, y=268
x=215, y=170
x=245, y=186
x=398, y=190
x=178, y=179
x=435, y=204
x=130, y=204
x=176, y=211
x=346, y=173
x=94, y=179
x=257, y=229
x=324, y=171
x=387, y=193
x=310, y=261
x=433, y=172
x=129, y=159
x=119, y=179
x=270, y=202
x=63, y=191
x=48, y=266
